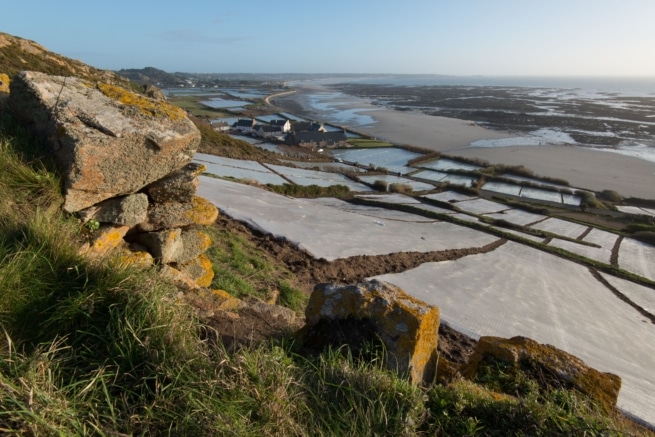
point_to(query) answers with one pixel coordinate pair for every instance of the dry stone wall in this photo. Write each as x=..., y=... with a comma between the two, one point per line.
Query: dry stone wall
x=126, y=166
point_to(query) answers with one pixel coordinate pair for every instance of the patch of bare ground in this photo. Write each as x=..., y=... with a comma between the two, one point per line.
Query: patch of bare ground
x=309, y=271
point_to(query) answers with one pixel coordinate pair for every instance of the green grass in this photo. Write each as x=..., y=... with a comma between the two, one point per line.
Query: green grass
x=93, y=349
x=244, y=271
x=195, y=106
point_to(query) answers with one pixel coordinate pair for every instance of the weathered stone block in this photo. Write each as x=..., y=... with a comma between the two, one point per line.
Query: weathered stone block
x=108, y=141
x=175, y=245
x=170, y=215
x=407, y=327
x=570, y=370
x=162, y=245
x=199, y=270
x=105, y=240
x=128, y=258
x=180, y=186
x=126, y=210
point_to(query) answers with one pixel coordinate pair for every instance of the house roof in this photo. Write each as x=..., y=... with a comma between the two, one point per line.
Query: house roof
x=245, y=122
x=278, y=122
x=305, y=126
x=317, y=137
x=265, y=128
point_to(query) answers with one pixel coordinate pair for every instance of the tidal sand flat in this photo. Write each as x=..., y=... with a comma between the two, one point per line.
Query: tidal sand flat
x=599, y=152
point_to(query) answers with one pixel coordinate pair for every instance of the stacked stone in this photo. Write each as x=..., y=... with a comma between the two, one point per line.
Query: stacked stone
x=127, y=170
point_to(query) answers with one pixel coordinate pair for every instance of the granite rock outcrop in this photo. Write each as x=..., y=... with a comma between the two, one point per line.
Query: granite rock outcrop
x=125, y=161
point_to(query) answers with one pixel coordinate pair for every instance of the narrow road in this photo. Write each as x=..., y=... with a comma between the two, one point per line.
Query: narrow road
x=267, y=100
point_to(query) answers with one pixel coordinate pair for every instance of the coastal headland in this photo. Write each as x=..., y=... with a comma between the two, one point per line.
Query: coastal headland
x=582, y=167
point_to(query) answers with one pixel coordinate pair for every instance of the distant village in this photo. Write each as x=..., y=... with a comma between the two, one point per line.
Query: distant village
x=310, y=135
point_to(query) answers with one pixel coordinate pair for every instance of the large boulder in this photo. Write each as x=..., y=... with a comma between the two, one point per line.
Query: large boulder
x=371, y=310
x=550, y=363
x=108, y=141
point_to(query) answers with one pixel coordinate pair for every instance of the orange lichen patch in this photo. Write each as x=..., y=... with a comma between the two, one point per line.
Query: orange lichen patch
x=202, y=212
x=603, y=388
x=4, y=83
x=140, y=259
x=148, y=107
x=225, y=302
x=105, y=240
x=200, y=270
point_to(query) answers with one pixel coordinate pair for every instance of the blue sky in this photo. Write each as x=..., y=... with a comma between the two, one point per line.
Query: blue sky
x=456, y=37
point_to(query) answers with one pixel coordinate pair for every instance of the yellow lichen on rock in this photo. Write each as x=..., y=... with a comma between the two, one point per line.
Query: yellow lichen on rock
x=225, y=302
x=148, y=107
x=200, y=270
x=4, y=83
x=140, y=259
x=407, y=326
x=202, y=213
x=105, y=240
x=602, y=387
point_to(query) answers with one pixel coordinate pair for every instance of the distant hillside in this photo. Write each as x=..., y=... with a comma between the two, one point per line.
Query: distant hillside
x=151, y=76
x=19, y=54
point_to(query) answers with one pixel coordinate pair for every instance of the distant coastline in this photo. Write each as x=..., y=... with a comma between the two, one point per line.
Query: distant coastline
x=582, y=167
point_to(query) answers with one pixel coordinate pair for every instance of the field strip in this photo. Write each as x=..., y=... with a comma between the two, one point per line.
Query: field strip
x=517, y=216
x=637, y=257
x=517, y=290
x=640, y=295
x=561, y=227
x=330, y=233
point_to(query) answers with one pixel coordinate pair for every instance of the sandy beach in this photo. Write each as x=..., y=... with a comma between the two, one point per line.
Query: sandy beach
x=582, y=167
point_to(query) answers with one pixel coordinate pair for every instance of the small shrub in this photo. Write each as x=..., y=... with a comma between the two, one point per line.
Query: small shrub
x=380, y=185
x=587, y=199
x=401, y=188
x=610, y=196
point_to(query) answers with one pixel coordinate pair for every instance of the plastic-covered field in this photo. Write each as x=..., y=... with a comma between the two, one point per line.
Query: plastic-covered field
x=481, y=206
x=636, y=210
x=537, y=194
x=561, y=227
x=637, y=257
x=392, y=158
x=517, y=290
x=430, y=175
x=517, y=216
x=503, y=188
x=389, y=198
x=448, y=164
x=638, y=294
x=389, y=179
x=331, y=233
x=449, y=196
x=305, y=177
x=238, y=169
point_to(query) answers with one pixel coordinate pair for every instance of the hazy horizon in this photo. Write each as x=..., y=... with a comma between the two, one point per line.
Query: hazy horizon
x=491, y=38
